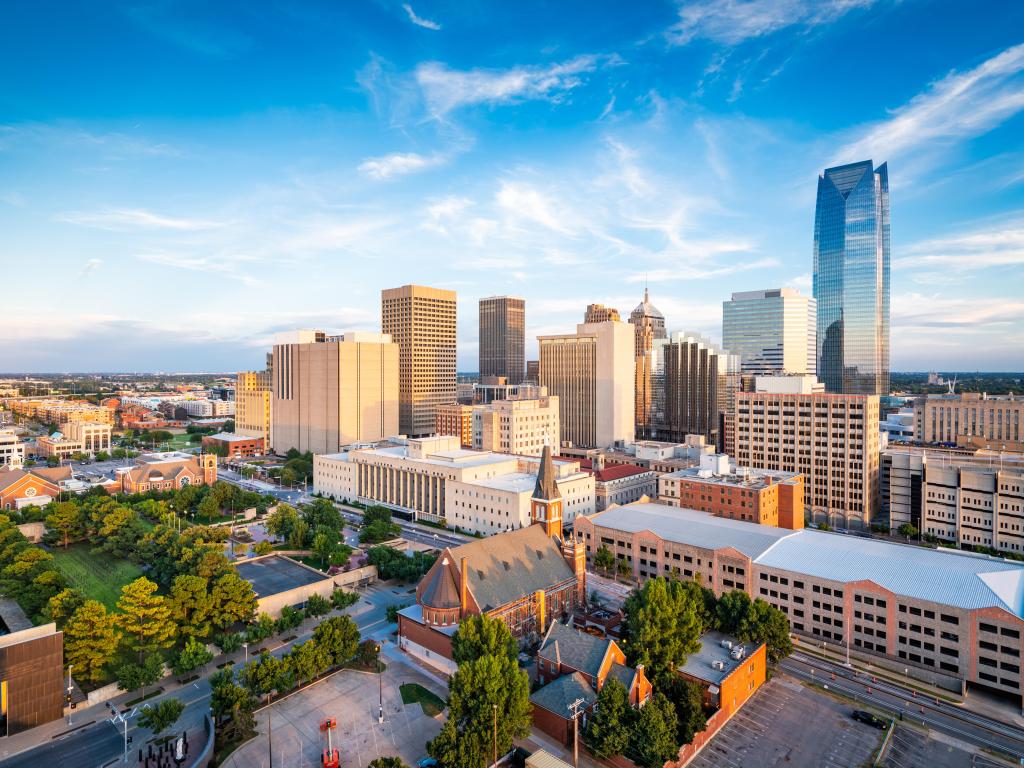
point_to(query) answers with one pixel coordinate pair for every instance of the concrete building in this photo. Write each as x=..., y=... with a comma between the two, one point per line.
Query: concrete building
x=971, y=419
x=948, y=618
x=503, y=337
x=591, y=372
x=788, y=385
x=723, y=489
x=334, y=391
x=85, y=437
x=533, y=371
x=421, y=321
x=254, y=397
x=518, y=425
x=694, y=389
x=231, y=446
x=599, y=313
x=899, y=425
x=435, y=479
x=650, y=325
x=12, y=450
x=61, y=412
x=620, y=483
x=773, y=331
x=491, y=388
x=830, y=439
x=204, y=409
x=455, y=419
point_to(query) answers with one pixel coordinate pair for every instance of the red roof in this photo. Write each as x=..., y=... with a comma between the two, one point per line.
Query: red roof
x=618, y=471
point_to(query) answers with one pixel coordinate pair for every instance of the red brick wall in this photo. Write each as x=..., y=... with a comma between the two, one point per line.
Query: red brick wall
x=433, y=641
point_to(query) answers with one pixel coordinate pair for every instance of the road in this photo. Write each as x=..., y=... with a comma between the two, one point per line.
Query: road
x=893, y=699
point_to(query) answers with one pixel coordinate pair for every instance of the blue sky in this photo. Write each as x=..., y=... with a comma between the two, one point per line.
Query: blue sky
x=179, y=180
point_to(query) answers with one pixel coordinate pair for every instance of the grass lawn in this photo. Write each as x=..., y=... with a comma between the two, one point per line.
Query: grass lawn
x=414, y=692
x=98, y=577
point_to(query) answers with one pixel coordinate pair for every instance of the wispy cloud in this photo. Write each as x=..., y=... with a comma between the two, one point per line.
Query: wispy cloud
x=125, y=219
x=399, y=164
x=983, y=248
x=89, y=267
x=686, y=271
x=420, y=21
x=961, y=105
x=731, y=22
x=231, y=267
x=445, y=90
x=938, y=311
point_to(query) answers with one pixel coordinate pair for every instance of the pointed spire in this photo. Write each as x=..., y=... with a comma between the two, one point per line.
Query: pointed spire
x=546, y=488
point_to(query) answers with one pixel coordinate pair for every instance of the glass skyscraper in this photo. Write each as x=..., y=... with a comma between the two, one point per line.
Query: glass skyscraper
x=851, y=278
x=773, y=331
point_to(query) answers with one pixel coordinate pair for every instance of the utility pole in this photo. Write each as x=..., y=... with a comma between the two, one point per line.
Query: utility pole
x=575, y=709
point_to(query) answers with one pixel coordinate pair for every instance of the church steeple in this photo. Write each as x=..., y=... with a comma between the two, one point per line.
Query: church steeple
x=546, y=504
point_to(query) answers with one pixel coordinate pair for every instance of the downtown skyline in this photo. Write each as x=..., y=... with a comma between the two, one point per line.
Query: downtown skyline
x=191, y=182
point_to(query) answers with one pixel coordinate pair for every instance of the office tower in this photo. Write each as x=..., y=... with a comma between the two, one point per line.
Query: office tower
x=693, y=389
x=533, y=371
x=971, y=420
x=599, y=313
x=591, y=374
x=522, y=425
x=503, y=338
x=455, y=419
x=650, y=325
x=253, y=398
x=421, y=321
x=333, y=391
x=831, y=439
x=773, y=331
x=851, y=278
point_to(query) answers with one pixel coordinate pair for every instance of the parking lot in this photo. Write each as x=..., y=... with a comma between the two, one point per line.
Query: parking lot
x=788, y=724
x=351, y=698
x=910, y=748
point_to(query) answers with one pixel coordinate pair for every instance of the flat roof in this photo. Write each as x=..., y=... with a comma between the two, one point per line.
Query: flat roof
x=457, y=458
x=751, y=478
x=943, y=576
x=273, y=574
x=714, y=662
x=231, y=437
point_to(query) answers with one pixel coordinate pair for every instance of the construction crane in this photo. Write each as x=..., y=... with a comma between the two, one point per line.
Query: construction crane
x=330, y=757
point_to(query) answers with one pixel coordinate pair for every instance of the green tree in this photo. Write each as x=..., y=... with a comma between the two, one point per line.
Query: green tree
x=908, y=530
x=288, y=476
x=367, y=654
x=687, y=698
x=308, y=661
x=90, y=640
x=607, y=732
x=755, y=621
x=232, y=706
x=267, y=674
x=300, y=535
x=323, y=544
x=604, y=560
x=145, y=617
x=387, y=762
x=623, y=568
x=317, y=606
x=339, y=637
x=263, y=548
x=653, y=739
x=321, y=513
x=233, y=600
x=260, y=629
x=62, y=606
x=663, y=627
x=482, y=635
x=66, y=520
x=160, y=716
x=282, y=521
x=474, y=691
x=132, y=677
x=208, y=508
x=193, y=656
x=191, y=605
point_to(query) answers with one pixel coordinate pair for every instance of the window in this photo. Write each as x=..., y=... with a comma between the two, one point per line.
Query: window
x=988, y=628
x=950, y=619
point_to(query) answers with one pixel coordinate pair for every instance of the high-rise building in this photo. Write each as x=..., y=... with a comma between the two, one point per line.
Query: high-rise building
x=519, y=425
x=694, y=384
x=503, y=338
x=773, y=331
x=599, y=313
x=421, y=321
x=831, y=439
x=851, y=278
x=650, y=325
x=333, y=392
x=533, y=371
x=455, y=419
x=591, y=374
x=253, y=398
x=971, y=419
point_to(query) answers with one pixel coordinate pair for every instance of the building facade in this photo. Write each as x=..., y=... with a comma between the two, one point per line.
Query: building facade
x=938, y=615
x=971, y=419
x=650, y=325
x=591, y=372
x=335, y=391
x=455, y=419
x=233, y=446
x=503, y=337
x=31, y=678
x=81, y=437
x=12, y=450
x=720, y=488
x=533, y=371
x=517, y=425
x=35, y=486
x=621, y=484
x=254, y=397
x=851, y=278
x=830, y=439
x=773, y=331
x=169, y=471
x=421, y=321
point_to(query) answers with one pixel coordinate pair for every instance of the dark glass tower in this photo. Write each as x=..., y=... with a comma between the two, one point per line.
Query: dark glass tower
x=851, y=278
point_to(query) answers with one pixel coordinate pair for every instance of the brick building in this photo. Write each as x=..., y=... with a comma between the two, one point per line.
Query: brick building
x=36, y=486
x=234, y=445
x=168, y=471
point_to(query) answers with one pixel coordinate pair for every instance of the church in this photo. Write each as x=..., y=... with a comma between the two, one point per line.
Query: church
x=527, y=578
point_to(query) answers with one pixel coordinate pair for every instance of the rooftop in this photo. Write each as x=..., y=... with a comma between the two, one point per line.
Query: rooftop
x=274, y=573
x=714, y=662
x=561, y=692
x=741, y=478
x=231, y=437
x=579, y=650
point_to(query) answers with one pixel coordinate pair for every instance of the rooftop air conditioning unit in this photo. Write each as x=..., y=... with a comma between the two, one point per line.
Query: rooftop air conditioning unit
x=727, y=644
x=737, y=652
x=718, y=664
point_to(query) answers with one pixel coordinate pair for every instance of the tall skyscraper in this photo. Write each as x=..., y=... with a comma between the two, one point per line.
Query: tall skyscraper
x=599, y=313
x=421, y=321
x=649, y=325
x=503, y=338
x=851, y=278
x=591, y=374
x=331, y=391
x=773, y=331
x=253, y=398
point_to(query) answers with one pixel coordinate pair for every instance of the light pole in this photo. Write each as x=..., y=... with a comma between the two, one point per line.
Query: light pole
x=380, y=685
x=246, y=646
x=69, y=693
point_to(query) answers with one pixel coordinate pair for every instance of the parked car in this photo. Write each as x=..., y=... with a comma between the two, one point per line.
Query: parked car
x=869, y=719
x=426, y=762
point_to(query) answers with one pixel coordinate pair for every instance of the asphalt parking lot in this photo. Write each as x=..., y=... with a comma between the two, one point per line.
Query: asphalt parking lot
x=910, y=748
x=788, y=724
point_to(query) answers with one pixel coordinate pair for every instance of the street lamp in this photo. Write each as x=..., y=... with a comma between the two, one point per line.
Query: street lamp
x=69, y=693
x=380, y=683
x=246, y=646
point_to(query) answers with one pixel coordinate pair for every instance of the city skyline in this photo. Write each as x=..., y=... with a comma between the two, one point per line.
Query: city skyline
x=252, y=172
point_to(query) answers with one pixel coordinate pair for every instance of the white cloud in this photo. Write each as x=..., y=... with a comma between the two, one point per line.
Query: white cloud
x=418, y=20
x=687, y=271
x=89, y=267
x=1001, y=246
x=915, y=310
x=124, y=219
x=231, y=267
x=733, y=21
x=399, y=164
x=445, y=90
x=528, y=203
x=961, y=105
